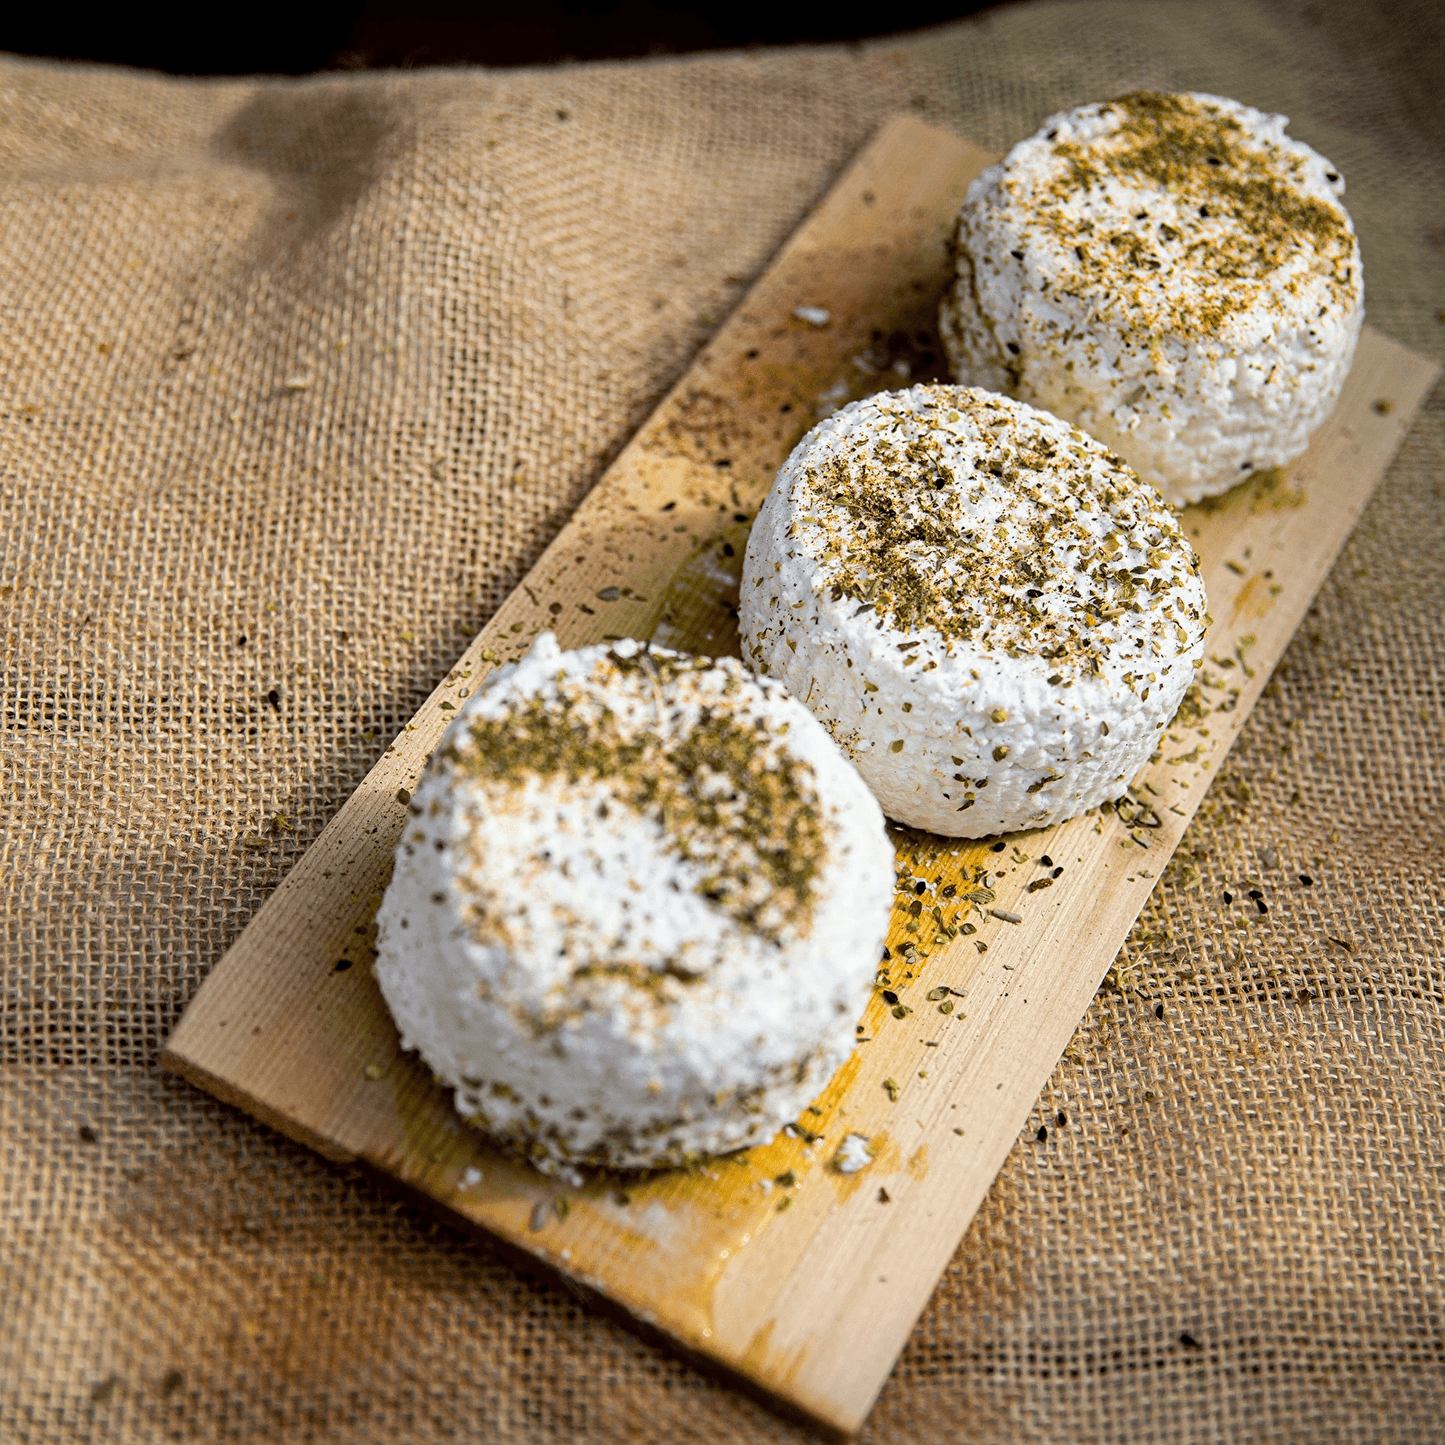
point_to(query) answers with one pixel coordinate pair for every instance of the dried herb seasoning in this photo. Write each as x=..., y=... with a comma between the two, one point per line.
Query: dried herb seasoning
x=901, y=527
x=728, y=794
x=1242, y=207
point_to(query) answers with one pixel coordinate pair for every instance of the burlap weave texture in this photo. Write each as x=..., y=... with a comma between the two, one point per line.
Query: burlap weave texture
x=296, y=380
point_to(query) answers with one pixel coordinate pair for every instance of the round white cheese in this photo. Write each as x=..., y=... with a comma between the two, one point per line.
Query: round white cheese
x=1171, y=272
x=637, y=908
x=986, y=608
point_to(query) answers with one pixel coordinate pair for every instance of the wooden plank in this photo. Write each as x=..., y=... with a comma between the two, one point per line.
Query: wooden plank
x=809, y=1303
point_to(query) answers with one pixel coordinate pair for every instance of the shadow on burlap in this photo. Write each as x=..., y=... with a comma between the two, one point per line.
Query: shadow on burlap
x=298, y=378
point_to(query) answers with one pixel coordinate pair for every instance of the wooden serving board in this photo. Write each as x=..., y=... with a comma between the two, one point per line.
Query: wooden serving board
x=795, y=1287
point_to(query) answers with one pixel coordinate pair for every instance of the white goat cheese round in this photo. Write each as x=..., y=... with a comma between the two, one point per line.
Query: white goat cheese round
x=1173, y=273
x=637, y=907
x=986, y=608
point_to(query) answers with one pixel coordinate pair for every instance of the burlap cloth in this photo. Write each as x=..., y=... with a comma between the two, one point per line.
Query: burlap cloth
x=298, y=377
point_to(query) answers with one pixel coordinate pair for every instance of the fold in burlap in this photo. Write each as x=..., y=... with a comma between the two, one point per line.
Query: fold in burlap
x=297, y=380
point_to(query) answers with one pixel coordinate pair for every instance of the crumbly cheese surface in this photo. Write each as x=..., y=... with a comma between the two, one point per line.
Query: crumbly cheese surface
x=637, y=907
x=986, y=608
x=1171, y=272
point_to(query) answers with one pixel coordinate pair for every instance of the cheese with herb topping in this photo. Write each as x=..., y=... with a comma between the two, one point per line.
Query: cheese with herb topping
x=986, y=608
x=1173, y=273
x=637, y=907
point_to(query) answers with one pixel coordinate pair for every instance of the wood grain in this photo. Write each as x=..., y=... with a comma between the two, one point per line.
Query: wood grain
x=796, y=1288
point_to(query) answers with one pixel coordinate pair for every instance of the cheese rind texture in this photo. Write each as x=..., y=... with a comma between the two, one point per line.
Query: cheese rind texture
x=1173, y=273
x=990, y=613
x=636, y=910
